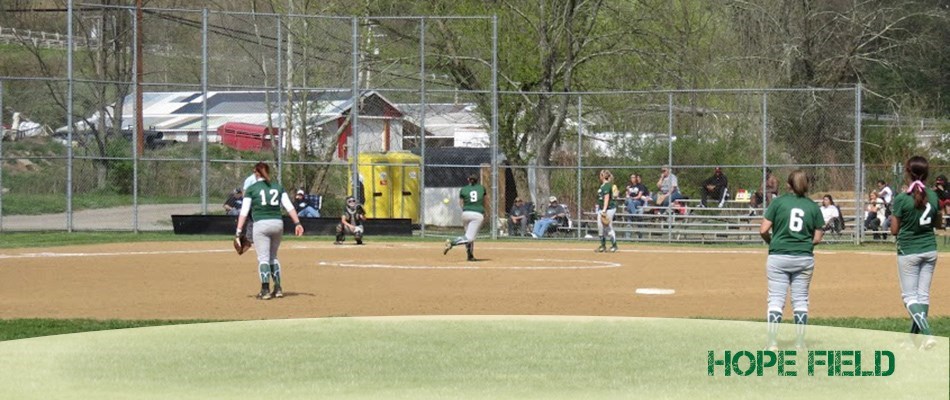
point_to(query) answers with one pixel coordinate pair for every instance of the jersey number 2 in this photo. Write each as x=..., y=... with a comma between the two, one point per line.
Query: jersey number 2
x=796, y=223
x=925, y=218
x=273, y=197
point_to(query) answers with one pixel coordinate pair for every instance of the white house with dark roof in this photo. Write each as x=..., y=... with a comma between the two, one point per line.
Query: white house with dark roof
x=448, y=124
x=178, y=117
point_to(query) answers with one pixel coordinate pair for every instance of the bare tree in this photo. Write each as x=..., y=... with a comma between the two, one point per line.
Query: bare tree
x=106, y=60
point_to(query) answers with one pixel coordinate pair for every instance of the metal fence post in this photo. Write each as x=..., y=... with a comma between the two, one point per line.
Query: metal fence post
x=204, y=111
x=494, y=126
x=422, y=125
x=69, y=117
x=765, y=149
x=669, y=162
x=354, y=142
x=1, y=155
x=137, y=127
x=858, y=166
x=282, y=136
x=580, y=142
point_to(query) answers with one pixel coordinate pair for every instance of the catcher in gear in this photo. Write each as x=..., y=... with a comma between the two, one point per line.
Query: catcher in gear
x=606, y=208
x=351, y=221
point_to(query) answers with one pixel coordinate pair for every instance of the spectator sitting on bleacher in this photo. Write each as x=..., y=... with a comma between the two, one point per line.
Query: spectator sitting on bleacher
x=771, y=190
x=669, y=190
x=874, y=214
x=304, y=208
x=831, y=215
x=886, y=195
x=232, y=206
x=943, y=195
x=552, y=215
x=518, y=218
x=637, y=195
x=716, y=186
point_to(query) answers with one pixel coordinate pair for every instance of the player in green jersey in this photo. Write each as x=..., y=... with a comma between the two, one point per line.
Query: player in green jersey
x=792, y=227
x=265, y=198
x=606, y=210
x=914, y=217
x=472, y=199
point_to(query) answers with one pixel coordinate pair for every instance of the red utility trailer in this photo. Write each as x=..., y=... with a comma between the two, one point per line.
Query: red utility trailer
x=241, y=136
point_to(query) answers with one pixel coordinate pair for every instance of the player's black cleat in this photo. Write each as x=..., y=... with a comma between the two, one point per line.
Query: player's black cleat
x=601, y=249
x=264, y=294
x=613, y=248
x=472, y=258
x=278, y=293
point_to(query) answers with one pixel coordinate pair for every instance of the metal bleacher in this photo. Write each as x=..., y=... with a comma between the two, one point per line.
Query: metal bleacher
x=734, y=222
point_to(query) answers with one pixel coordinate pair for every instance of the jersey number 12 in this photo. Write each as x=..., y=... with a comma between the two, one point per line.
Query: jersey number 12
x=273, y=197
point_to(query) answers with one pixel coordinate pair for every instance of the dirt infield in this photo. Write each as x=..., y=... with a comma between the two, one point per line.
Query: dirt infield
x=206, y=280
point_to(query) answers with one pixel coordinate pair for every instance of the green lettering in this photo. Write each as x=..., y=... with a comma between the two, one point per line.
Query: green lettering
x=760, y=362
x=712, y=362
x=739, y=370
x=878, y=359
x=845, y=361
x=782, y=362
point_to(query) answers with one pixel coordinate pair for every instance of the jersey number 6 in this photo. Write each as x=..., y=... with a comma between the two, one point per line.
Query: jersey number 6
x=796, y=223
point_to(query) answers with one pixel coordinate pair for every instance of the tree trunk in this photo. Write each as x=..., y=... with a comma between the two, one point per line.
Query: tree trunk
x=102, y=174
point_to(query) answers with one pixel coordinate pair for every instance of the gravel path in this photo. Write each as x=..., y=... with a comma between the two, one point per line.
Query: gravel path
x=152, y=217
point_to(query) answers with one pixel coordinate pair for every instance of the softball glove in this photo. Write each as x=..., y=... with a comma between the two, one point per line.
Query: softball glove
x=241, y=244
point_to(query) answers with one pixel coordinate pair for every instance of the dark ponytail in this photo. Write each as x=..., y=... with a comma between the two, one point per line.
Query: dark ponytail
x=917, y=170
x=263, y=170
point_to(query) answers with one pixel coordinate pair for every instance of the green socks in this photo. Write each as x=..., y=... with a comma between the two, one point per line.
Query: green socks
x=265, y=272
x=918, y=313
x=801, y=320
x=275, y=272
x=773, y=320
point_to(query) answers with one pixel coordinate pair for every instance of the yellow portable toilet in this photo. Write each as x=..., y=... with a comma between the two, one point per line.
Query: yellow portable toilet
x=405, y=170
x=377, y=184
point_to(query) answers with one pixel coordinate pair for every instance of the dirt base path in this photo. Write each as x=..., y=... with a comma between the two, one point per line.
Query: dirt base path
x=207, y=280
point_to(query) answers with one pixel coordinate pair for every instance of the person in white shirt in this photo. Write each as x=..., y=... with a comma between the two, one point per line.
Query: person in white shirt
x=829, y=211
x=886, y=195
x=874, y=214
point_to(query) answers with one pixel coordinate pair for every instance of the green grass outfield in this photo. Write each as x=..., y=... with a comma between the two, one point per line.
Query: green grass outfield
x=12, y=329
x=485, y=357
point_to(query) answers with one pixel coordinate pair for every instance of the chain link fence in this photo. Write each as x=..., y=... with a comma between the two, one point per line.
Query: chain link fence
x=364, y=106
